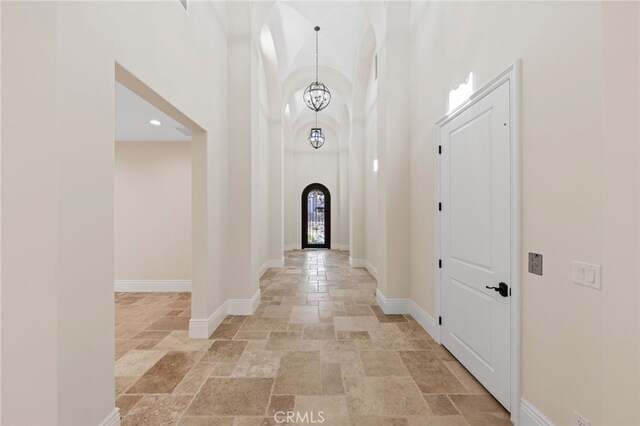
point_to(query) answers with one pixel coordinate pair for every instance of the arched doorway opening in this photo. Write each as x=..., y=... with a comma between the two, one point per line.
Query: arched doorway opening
x=316, y=217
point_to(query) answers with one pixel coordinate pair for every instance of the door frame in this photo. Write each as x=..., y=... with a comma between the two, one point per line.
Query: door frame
x=327, y=216
x=513, y=75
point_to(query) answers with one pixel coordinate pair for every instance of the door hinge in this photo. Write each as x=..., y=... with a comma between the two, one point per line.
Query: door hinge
x=440, y=207
x=439, y=320
x=439, y=149
x=440, y=263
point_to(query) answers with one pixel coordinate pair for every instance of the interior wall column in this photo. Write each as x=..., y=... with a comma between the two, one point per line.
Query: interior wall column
x=356, y=194
x=276, y=193
x=393, y=154
x=242, y=277
x=343, y=184
x=29, y=240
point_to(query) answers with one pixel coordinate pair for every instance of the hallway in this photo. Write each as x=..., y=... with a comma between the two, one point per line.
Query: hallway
x=317, y=345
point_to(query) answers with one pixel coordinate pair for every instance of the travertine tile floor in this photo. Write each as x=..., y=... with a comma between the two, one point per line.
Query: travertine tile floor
x=318, y=345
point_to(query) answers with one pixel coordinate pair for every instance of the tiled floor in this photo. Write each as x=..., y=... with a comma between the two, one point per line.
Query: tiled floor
x=318, y=346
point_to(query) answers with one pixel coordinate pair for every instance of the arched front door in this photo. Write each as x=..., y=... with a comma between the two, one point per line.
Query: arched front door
x=316, y=217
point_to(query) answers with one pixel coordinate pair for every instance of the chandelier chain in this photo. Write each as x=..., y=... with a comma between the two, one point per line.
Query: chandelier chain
x=317, y=77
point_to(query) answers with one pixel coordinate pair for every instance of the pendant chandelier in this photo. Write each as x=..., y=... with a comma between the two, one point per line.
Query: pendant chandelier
x=316, y=137
x=317, y=96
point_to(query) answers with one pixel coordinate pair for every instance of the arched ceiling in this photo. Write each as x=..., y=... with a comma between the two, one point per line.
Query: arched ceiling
x=341, y=23
x=290, y=26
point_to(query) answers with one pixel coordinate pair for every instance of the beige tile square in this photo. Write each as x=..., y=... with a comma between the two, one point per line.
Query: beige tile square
x=165, y=374
x=382, y=363
x=331, y=409
x=384, y=396
x=299, y=374
x=232, y=396
x=441, y=405
x=225, y=351
x=180, y=341
x=191, y=383
x=257, y=364
x=136, y=362
x=304, y=314
x=157, y=410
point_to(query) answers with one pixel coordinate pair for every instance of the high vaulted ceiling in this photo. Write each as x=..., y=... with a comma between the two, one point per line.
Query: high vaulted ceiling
x=341, y=26
x=291, y=26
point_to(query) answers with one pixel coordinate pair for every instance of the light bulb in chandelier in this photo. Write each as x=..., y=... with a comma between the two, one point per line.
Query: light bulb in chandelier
x=317, y=95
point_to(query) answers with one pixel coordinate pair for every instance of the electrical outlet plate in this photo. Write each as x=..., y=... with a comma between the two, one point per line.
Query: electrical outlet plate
x=578, y=419
x=535, y=263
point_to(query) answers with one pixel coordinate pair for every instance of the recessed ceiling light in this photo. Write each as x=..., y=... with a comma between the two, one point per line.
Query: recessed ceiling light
x=155, y=122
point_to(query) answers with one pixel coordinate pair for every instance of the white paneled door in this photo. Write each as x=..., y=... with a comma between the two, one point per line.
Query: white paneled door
x=475, y=238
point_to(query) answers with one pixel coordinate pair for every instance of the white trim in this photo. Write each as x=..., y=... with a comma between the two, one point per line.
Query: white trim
x=516, y=233
x=113, y=419
x=290, y=247
x=202, y=328
x=425, y=320
x=531, y=416
x=344, y=247
x=243, y=306
x=271, y=263
x=372, y=269
x=408, y=306
x=335, y=246
x=392, y=306
x=145, y=286
x=513, y=75
x=364, y=263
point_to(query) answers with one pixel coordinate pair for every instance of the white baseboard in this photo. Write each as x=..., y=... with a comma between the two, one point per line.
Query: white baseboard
x=146, y=286
x=343, y=247
x=271, y=263
x=243, y=306
x=364, y=263
x=408, y=306
x=202, y=328
x=372, y=269
x=289, y=247
x=113, y=419
x=392, y=306
x=531, y=416
x=425, y=320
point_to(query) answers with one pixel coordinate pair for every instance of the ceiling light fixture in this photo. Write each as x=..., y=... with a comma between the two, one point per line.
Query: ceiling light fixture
x=317, y=96
x=155, y=122
x=316, y=137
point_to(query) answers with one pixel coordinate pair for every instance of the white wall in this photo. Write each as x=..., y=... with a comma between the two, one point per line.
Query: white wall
x=371, y=229
x=621, y=212
x=58, y=185
x=579, y=184
x=262, y=209
x=152, y=210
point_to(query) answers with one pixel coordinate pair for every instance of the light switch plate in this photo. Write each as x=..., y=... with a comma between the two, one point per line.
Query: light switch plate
x=535, y=263
x=587, y=274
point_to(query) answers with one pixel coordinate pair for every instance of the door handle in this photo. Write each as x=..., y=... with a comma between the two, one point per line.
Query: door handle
x=502, y=288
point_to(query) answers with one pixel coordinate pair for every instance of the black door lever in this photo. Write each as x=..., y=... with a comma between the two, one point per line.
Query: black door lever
x=502, y=288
